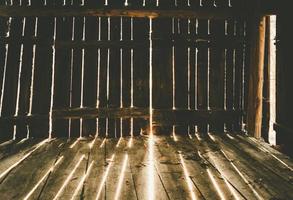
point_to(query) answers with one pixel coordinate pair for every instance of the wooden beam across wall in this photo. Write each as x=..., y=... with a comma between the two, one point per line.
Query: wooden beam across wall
x=255, y=93
x=200, y=12
x=162, y=116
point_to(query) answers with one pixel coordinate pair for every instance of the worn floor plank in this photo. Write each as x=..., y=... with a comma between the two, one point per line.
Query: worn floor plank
x=206, y=166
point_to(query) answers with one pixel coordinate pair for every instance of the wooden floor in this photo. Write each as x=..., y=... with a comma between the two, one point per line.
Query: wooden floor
x=226, y=166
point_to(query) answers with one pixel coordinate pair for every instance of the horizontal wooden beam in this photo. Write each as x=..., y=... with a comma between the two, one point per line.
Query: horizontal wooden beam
x=160, y=116
x=200, y=13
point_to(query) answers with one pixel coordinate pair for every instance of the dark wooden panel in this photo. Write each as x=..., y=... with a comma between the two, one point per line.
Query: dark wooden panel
x=126, y=73
x=230, y=73
x=90, y=73
x=11, y=76
x=181, y=69
x=4, y=30
x=217, y=73
x=114, y=76
x=78, y=23
x=26, y=77
x=42, y=83
x=103, y=101
x=162, y=69
x=62, y=74
x=140, y=71
x=202, y=74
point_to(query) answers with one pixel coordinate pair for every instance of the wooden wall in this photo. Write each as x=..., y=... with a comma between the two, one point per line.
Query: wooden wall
x=284, y=97
x=79, y=76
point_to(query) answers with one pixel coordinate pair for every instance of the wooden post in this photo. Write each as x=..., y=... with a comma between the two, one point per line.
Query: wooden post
x=255, y=93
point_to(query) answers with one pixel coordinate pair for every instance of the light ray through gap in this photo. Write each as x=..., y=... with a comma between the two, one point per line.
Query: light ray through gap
x=3, y=174
x=43, y=178
x=105, y=177
x=187, y=178
x=69, y=177
x=121, y=178
x=78, y=188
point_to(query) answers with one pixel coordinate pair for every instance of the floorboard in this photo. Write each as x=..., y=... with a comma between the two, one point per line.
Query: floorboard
x=201, y=166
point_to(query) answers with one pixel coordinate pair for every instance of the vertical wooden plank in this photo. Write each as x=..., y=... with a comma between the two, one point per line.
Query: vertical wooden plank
x=181, y=69
x=114, y=76
x=12, y=72
x=140, y=70
x=230, y=73
x=162, y=69
x=126, y=73
x=103, y=102
x=254, y=112
x=217, y=72
x=4, y=32
x=62, y=75
x=238, y=72
x=90, y=73
x=266, y=86
x=26, y=76
x=76, y=74
x=202, y=73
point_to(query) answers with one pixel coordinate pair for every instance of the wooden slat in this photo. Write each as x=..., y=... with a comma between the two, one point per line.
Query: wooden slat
x=181, y=70
x=254, y=109
x=76, y=74
x=114, y=76
x=126, y=73
x=202, y=74
x=90, y=73
x=26, y=77
x=162, y=70
x=57, y=178
x=200, y=12
x=217, y=73
x=103, y=73
x=11, y=80
x=62, y=75
x=264, y=178
x=29, y=176
x=140, y=71
x=42, y=80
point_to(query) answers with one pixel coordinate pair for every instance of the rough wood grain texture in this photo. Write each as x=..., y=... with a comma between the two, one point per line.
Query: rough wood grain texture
x=162, y=70
x=141, y=71
x=27, y=175
x=62, y=75
x=254, y=110
x=181, y=70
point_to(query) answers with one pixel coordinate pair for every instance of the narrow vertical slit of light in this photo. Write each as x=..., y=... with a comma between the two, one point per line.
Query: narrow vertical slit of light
x=233, y=76
x=108, y=73
x=208, y=70
x=98, y=76
x=71, y=76
x=225, y=79
x=195, y=83
x=151, y=76
x=52, y=82
x=151, y=167
x=230, y=5
x=131, y=76
x=188, y=78
x=31, y=95
x=82, y=78
x=157, y=3
x=173, y=79
x=121, y=74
